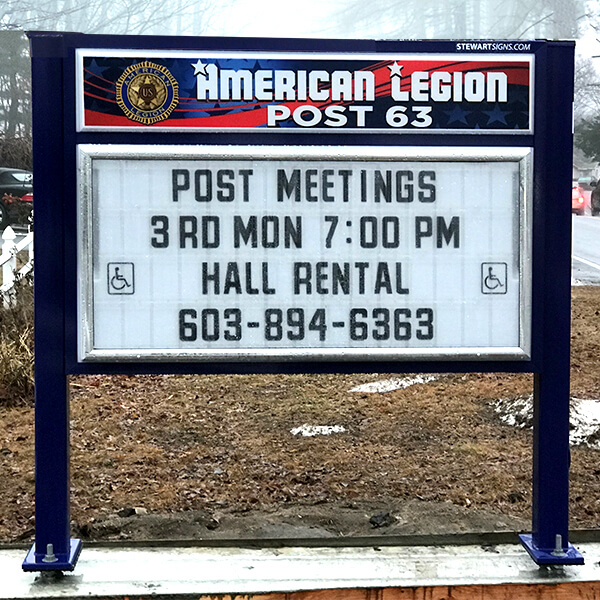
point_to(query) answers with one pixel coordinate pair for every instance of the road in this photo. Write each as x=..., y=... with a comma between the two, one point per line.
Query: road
x=585, y=260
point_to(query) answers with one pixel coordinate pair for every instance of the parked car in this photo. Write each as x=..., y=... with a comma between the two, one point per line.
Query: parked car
x=581, y=201
x=587, y=183
x=14, y=184
x=27, y=207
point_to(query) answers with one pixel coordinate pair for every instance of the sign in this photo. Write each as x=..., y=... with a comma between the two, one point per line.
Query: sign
x=312, y=253
x=428, y=231
x=292, y=92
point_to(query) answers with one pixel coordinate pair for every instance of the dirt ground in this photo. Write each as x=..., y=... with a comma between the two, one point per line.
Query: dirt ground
x=205, y=457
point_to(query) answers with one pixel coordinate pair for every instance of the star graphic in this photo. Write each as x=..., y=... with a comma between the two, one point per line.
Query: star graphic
x=199, y=68
x=496, y=115
x=395, y=69
x=457, y=115
x=94, y=67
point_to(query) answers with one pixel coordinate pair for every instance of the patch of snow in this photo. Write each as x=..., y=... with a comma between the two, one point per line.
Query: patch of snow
x=584, y=421
x=516, y=412
x=389, y=385
x=312, y=430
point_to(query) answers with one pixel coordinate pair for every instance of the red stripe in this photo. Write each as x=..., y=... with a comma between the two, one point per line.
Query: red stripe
x=247, y=119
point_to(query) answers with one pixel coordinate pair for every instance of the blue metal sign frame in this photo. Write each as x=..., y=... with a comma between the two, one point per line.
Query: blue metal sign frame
x=57, y=133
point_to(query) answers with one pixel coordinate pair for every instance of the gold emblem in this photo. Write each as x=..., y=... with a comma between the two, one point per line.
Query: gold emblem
x=147, y=93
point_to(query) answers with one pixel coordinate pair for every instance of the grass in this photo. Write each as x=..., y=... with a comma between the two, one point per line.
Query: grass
x=16, y=347
x=436, y=455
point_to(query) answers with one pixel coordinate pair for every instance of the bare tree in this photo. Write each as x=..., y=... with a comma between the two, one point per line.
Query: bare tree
x=587, y=90
x=15, y=87
x=111, y=16
x=451, y=19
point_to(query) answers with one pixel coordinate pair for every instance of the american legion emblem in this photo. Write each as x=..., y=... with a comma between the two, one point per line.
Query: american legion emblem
x=147, y=93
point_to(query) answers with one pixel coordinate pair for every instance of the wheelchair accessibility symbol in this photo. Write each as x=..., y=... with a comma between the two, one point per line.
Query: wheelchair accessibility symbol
x=120, y=278
x=494, y=278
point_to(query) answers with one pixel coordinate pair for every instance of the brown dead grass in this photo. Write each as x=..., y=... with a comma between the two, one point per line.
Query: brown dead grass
x=16, y=346
x=179, y=444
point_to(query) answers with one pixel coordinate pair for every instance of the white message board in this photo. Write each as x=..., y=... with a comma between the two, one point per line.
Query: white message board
x=195, y=253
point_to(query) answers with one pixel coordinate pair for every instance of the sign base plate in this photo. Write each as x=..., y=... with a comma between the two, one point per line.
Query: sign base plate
x=550, y=557
x=64, y=562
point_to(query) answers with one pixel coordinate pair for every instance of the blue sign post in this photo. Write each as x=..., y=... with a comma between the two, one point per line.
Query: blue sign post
x=349, y=184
